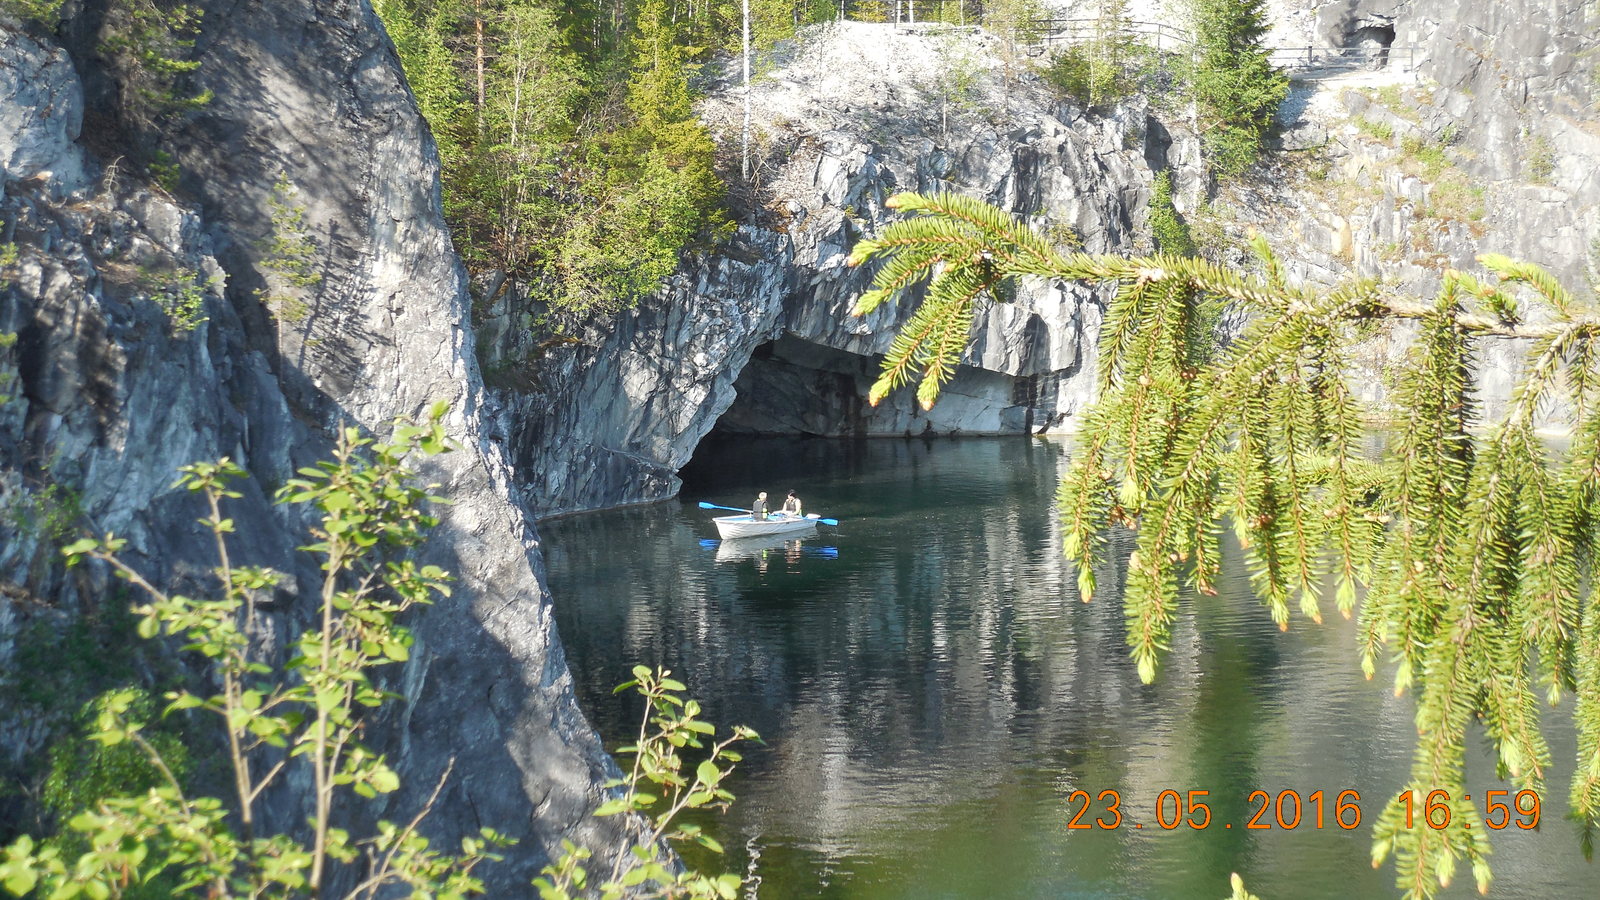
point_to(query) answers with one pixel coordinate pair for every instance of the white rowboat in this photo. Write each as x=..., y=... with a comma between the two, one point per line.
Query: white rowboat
x=757, y=547
x=731, y=527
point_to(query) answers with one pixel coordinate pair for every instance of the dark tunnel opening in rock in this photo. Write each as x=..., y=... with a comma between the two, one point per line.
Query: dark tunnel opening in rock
x=797, y=388
x=1373, y=42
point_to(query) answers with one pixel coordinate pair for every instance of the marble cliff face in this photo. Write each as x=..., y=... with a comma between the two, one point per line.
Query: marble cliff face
x=1481, y=135
x=756, y=338
x=107, y=398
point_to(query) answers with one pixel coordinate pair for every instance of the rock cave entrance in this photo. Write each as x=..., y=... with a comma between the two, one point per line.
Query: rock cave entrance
x=1374, y=42
x=798, y=388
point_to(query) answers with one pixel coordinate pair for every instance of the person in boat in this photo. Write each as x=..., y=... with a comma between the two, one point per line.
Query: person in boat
x=791, y=505
x=758, y=510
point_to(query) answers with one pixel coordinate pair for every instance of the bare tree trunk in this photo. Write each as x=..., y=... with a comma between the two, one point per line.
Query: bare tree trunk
x=477, y=27
x=744, y=141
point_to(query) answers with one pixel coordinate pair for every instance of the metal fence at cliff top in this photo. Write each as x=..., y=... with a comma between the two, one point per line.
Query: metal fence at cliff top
x=912, y=12
x=1335, y=60
x=1158, y=35
x=1304, y=61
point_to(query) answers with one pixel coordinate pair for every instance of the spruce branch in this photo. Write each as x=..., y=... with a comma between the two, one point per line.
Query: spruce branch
x=1466, y=547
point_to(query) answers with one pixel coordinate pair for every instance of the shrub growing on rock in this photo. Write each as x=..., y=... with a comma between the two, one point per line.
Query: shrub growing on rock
x=136, y=831
x=308, y=712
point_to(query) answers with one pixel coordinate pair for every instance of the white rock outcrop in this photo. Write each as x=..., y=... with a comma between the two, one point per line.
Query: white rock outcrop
x=757, y=335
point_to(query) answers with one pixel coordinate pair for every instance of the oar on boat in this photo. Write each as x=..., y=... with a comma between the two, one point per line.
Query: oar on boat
x=705, y=505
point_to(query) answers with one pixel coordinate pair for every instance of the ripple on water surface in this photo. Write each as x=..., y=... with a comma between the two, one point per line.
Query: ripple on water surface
x=932, y=692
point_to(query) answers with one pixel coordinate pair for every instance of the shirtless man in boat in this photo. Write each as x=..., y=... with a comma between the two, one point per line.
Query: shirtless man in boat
x=791, y=505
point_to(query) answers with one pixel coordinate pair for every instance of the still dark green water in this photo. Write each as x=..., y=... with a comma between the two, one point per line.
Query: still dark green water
x=932, y=692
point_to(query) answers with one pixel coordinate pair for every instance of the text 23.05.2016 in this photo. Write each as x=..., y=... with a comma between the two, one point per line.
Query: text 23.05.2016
x=1288, y=809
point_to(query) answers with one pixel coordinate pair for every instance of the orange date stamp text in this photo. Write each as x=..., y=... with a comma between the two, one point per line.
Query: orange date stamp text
x=1290, y=809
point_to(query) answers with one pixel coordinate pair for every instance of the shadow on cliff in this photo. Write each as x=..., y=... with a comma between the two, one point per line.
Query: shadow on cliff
x=313, y=91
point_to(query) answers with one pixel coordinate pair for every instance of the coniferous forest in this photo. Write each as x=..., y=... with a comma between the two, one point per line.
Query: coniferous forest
x=572, y=157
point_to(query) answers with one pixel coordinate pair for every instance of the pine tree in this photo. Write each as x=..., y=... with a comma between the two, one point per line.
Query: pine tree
x=572, y=159
x=1017, y=24
x=1111, y=48
x=1167, y=227
x=1468, y=559
x=1235, y=85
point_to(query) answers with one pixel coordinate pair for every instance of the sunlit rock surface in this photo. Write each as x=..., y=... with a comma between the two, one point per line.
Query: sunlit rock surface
x=1483, y=139
x=757, y=335
x=756, y=338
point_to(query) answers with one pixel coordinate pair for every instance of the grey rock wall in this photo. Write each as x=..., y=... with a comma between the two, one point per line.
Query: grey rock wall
x=108, y=398
x=845, y=120
x=1492, y=145
x=756, y=339
x=1517, y=88
x=1512, y=91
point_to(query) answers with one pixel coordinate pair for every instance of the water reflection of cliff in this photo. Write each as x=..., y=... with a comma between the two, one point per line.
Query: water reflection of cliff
x=933, y=695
